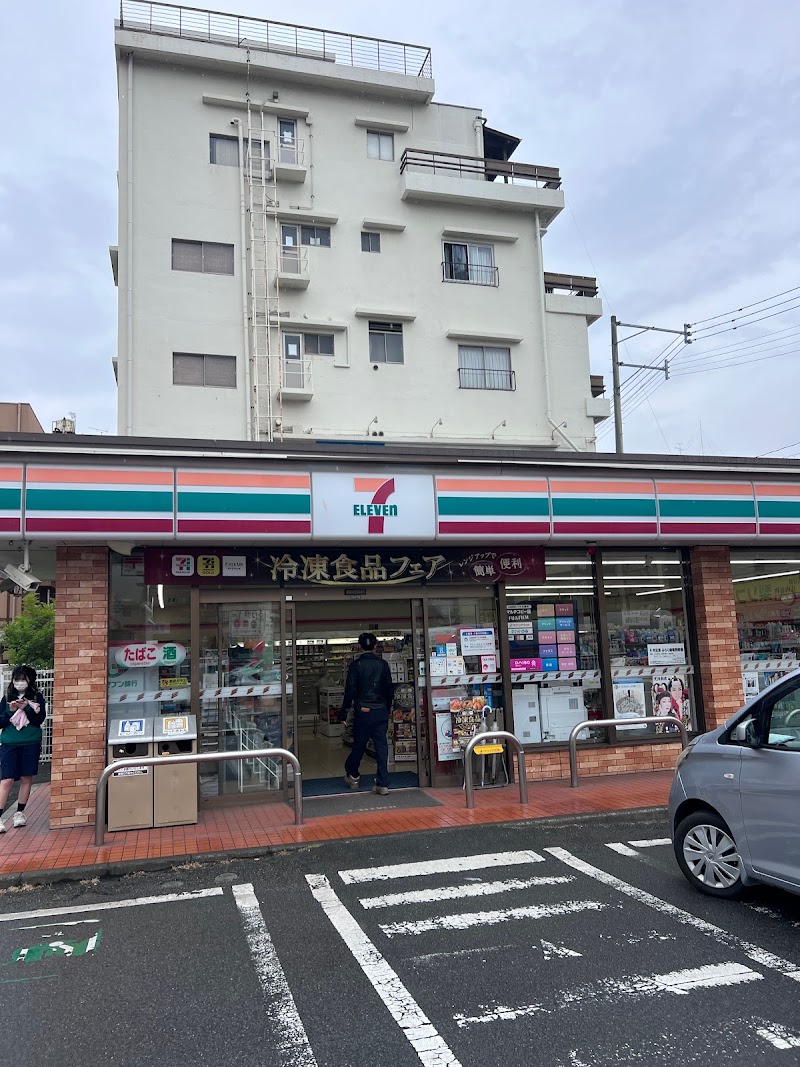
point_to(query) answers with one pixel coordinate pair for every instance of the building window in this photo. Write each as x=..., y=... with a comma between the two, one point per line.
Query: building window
x=482, y=367
x=469, y=263
x=204, y=257
x=386, y=342
x=370, y=242
x=316, y=235
x=215, y=372
x=766, y=591
x=380, y=145
x=297, y=345
x=287, y=141
x=223, y=150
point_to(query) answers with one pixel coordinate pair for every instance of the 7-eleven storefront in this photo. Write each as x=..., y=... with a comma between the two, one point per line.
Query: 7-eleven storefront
x=233, y=583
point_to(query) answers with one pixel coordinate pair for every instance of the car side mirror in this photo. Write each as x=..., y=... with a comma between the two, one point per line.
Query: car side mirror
x=746, y=733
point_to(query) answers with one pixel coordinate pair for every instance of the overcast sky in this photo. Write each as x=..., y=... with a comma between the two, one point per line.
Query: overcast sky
x=674, y=126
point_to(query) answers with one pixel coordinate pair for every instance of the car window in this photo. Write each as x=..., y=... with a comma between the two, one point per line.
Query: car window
x=783, y=721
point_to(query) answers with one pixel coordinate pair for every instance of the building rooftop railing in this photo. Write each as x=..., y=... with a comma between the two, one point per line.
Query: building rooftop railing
x=479, y=167
x=219, y=27
x=573, y=284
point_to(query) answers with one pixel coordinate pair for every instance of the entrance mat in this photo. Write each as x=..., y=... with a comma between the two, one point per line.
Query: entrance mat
x=326, y=787
x=358, y=803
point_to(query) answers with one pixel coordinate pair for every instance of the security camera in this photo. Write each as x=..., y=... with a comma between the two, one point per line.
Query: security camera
x=29, y=582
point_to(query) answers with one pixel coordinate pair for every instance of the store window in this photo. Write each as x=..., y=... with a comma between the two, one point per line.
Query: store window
x=648, y=639
x=149, y=651
x=553, y=643
x=766, y=591
x=462, y=640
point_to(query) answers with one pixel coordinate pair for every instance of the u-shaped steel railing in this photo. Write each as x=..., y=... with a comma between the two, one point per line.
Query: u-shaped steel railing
x=487, y=738
x=195, y=757
x=673, y=720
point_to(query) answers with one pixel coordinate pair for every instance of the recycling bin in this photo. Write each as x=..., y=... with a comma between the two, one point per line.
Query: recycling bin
x=130, y=789
x=175, y=786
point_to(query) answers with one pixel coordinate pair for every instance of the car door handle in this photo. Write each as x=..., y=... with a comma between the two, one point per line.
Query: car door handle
x=728, y=776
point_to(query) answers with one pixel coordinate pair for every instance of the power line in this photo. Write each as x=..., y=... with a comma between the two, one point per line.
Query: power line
x=783, y=449
x=741, y=363
x=729, y=329
x=727, y=357
x=744, y=345
x=735, y=311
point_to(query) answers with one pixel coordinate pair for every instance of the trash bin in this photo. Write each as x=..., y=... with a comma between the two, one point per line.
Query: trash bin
x=175, y=786
x=130, y=789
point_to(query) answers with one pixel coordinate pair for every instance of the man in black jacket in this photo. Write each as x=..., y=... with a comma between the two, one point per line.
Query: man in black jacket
x=370, y=691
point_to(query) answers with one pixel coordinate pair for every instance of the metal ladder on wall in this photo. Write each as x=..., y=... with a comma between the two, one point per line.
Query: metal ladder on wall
x=263, y=255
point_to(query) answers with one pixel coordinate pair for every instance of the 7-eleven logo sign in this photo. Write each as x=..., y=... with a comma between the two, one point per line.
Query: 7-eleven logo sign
x=377, y=507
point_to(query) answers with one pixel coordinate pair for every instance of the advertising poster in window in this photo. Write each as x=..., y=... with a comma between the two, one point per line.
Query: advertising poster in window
x=629, y=702
x=671, y=697
x=445, y=747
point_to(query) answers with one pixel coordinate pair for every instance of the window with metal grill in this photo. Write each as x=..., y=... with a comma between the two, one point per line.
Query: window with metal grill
x=214, y=372
x=386, y=342
x=202, y=257
x=483, y=367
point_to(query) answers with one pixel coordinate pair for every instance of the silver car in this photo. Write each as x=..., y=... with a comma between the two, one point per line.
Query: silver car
x=734, y=806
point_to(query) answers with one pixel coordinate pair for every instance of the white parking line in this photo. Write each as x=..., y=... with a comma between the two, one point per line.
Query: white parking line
x=67, y=922
x=446, y=866
x=465, y=920
x=455, y=892
x=623, y=850
x=136, y=902
x=779, y=1036
x=289, y=1038
x=415, y=1025
x=754, y=952
x=651, y=843
x=610, y=990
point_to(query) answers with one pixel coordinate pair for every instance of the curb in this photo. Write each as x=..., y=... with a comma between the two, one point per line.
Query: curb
x=119, y=868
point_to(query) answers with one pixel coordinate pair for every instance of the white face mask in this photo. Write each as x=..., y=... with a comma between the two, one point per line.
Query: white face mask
x=20, y=686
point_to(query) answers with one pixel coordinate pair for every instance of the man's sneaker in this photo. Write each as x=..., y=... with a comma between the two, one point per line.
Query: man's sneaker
x=352, y=782
x=2, y=827
x=19, y=819
x=381, y=790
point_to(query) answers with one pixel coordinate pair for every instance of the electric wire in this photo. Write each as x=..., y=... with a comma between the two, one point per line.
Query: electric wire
x=735, y=311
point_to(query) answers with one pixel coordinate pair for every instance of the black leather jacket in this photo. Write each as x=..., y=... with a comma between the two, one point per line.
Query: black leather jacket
x=369, y=684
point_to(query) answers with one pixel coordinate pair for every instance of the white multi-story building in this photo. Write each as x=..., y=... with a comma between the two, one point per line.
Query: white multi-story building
x=309, y=244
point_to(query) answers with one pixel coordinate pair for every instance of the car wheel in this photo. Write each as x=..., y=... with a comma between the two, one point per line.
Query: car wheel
x=707, y=854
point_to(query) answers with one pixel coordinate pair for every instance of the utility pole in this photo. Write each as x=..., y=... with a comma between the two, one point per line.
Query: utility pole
x=686, y=333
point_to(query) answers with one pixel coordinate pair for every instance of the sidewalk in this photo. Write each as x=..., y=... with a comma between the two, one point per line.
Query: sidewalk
x=37, y=848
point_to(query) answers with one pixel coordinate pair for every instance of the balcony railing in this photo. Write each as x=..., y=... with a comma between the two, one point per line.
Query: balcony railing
x=479, y=168
x=220, y=27
x=470, y=273
x=294, y=260
x=478, y=378
x=572, y=284
x=291, y=152
x=296, y=374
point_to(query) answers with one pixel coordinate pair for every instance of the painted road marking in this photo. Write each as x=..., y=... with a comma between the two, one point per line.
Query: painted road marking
x=68, y=922
x=136, y=902
x=753, y=952
x=465, y=920
x=454, y=892
x=36, y=953
x=416, y=1026
x=779, y=1036
x=289, y=1036
x=623, y=850
x=610, y=990
x=448, y=866
x=651, y=842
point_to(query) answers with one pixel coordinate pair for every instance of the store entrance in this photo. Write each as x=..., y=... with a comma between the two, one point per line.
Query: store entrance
x=324, y=636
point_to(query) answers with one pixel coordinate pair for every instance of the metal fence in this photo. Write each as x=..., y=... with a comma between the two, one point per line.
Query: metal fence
x=45, y=682
x=219, y=27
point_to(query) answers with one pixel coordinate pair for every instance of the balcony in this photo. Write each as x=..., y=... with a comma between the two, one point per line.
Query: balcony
x=293, y=269
x=290, y=162
x=306, y=42
x=296, y=380
x=481, y=378
x=478, y=181
x=470, y=273
x=572, y=294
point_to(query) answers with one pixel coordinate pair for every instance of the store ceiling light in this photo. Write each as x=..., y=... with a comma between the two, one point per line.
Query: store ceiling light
x=761, y=562
x=761, y=577
x=663, y=589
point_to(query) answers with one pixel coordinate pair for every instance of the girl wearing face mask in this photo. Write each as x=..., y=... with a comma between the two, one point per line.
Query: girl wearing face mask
x=22, y=713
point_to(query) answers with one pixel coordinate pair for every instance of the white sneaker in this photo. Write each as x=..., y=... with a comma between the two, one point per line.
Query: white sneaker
x=19, y=819
x=2, y=827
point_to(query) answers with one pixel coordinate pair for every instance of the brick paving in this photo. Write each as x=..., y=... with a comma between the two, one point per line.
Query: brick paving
x=37, y=847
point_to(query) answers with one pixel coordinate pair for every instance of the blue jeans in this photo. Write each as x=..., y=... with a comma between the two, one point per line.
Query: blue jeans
x=370, y=725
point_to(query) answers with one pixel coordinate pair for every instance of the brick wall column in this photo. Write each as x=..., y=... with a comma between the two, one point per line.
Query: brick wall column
x=717, y=636
x=79, y=709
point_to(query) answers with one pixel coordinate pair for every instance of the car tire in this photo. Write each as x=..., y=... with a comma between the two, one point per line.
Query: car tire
x=707, y=854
